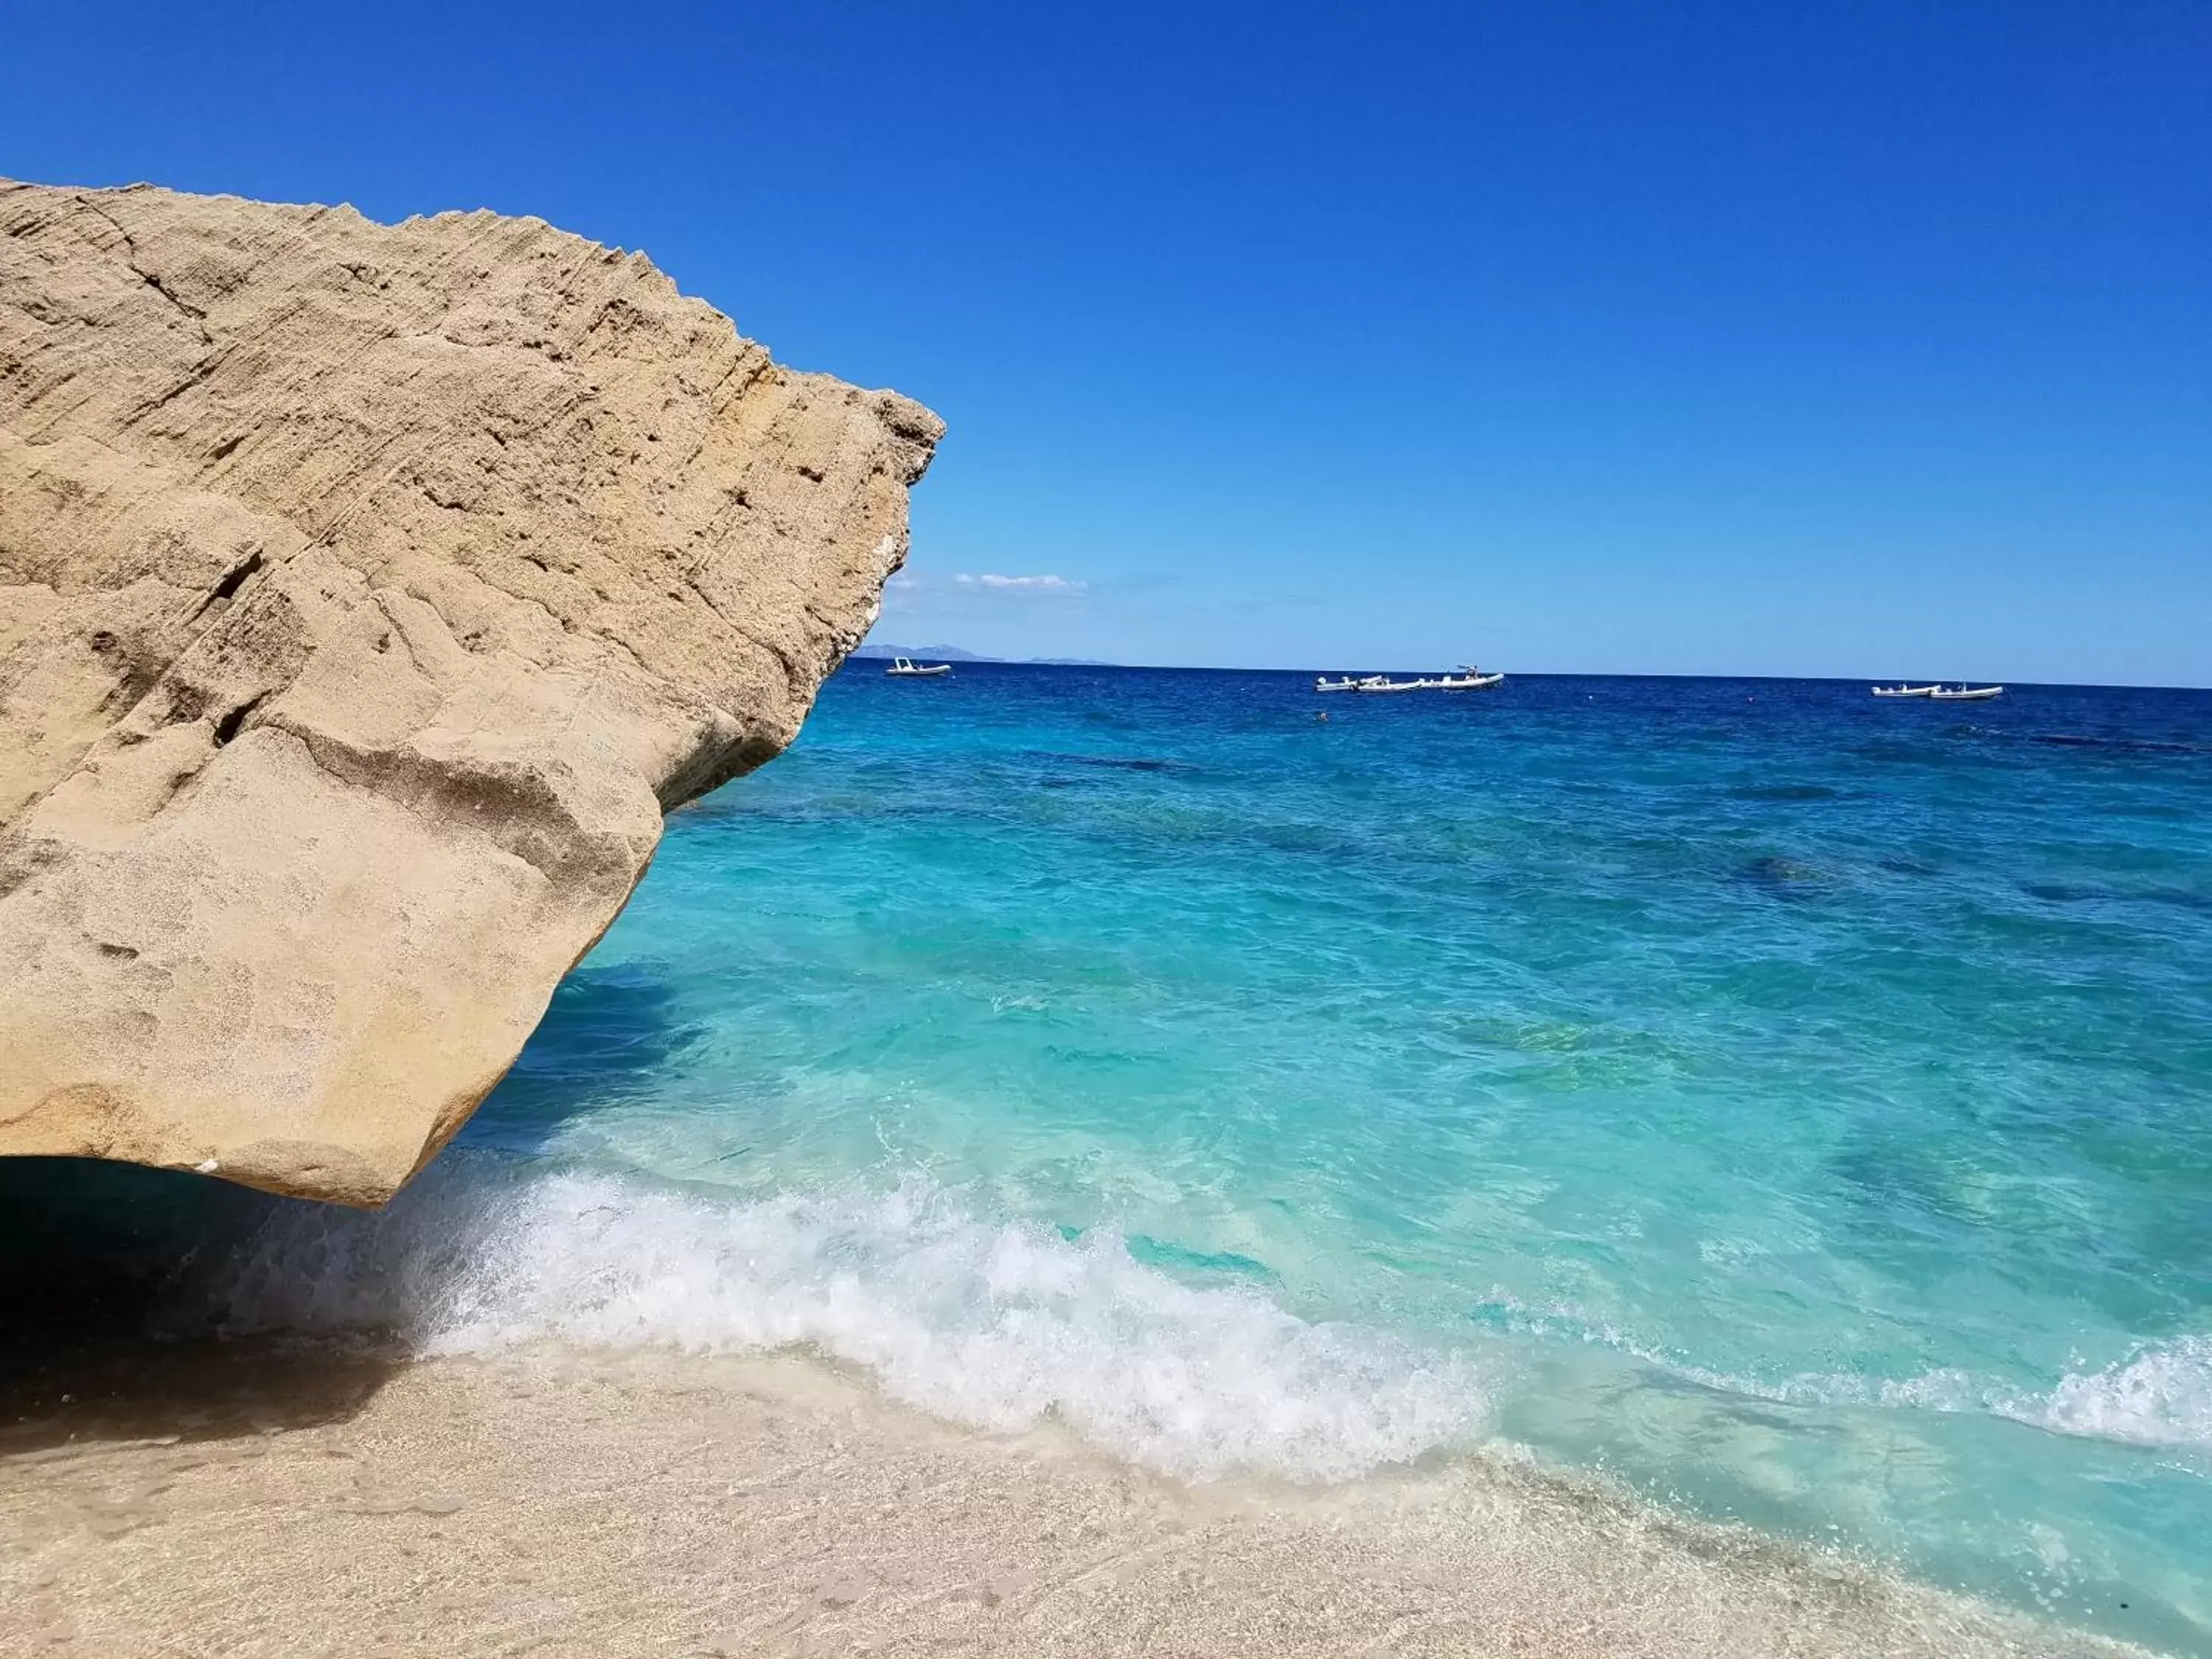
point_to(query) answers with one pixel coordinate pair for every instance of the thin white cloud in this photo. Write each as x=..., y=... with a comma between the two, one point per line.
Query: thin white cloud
x=1022, y=584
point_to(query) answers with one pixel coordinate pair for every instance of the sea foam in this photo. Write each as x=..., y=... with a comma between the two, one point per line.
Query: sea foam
x=2160, y=1395
x=996, y=1326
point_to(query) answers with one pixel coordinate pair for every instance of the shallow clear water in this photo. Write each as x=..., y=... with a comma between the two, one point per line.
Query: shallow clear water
x=1795, y=1105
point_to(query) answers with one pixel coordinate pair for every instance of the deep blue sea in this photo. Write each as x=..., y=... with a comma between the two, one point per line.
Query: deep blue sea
x=1793, y=1106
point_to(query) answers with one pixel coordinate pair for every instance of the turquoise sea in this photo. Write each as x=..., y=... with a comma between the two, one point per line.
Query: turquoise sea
x=1795, y=1107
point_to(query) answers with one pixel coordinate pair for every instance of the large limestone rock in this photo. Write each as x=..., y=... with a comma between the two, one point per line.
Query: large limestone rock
x=367, y=594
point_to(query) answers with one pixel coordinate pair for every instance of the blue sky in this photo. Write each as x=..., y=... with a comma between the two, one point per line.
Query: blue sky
x=1854, y=339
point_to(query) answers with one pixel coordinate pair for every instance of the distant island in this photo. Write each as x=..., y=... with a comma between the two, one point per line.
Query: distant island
x=874, y=653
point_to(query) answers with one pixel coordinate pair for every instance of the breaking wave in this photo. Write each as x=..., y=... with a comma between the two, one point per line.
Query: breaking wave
x=996, y=1326
x=2160, y=1396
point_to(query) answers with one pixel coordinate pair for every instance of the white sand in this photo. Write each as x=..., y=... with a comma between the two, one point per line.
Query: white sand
x=248, y=1501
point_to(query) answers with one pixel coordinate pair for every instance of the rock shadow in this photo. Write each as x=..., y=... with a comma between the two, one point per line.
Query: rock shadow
x=88, y=1389
x=106, y=1332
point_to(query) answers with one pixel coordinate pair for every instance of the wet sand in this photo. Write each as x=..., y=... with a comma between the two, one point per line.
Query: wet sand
x=247, y=1500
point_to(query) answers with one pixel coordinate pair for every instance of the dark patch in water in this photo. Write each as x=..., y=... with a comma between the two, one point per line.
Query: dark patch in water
x=2059, y=892
x=1123, y=762
x=1890, y=752
x=2181, y=897
x=1165, y=1253
x=1783, y=878
x=2088, y=740
x=606, y=1030
x=2128, y=746
x=1785, y=792
x=1886, y=1176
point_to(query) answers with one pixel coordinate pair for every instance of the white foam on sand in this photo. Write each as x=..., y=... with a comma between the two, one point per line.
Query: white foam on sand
x=994, y=1326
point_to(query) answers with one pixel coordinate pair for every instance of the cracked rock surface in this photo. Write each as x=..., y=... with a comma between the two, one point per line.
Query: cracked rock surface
x=367, y=595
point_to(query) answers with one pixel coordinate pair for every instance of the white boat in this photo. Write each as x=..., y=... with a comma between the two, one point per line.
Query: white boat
x=905, y=668
x=1967, y=693
x=1904, y=691
x=1440, y=683
x=1467, y=679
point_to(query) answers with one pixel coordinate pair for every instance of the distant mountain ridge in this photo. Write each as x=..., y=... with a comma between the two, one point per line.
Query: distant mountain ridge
x=934, y=652
x=873, y=653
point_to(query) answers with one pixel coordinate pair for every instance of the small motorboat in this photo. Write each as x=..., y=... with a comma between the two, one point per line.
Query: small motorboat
x=1904, y=691
x=1468, y=679
x=905, y=668
x=1966, y=693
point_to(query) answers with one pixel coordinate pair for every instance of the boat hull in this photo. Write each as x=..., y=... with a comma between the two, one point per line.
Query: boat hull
x=1376, y=685
x=1483, y=683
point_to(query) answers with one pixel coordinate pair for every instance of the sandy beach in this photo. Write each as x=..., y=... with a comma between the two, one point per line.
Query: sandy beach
x=248, y=1499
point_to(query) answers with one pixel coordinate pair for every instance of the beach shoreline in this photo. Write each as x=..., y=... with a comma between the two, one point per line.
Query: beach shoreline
x=273, y=1498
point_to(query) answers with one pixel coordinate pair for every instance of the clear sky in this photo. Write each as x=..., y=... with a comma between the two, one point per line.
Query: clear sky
x=1864, y=339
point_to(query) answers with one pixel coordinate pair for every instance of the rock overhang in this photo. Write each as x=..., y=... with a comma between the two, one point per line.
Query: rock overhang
x=367, y=595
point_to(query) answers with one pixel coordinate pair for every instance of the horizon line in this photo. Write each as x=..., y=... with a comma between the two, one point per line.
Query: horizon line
x=977, y=659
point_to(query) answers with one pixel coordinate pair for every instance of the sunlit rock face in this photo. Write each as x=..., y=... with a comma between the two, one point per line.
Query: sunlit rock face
x=367, y=595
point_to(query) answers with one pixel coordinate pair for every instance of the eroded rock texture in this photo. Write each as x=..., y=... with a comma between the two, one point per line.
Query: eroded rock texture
x=367, y=594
